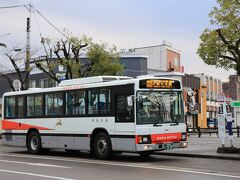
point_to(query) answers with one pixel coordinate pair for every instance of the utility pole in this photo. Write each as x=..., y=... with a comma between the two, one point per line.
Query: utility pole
x=28, y=55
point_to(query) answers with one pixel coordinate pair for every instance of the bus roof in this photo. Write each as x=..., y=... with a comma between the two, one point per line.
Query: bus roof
x=82, y=83
x=94, y=79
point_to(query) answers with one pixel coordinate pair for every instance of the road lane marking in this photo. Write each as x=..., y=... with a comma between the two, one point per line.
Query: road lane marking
x=34, y=164
x=36, y=175
x=132, y=165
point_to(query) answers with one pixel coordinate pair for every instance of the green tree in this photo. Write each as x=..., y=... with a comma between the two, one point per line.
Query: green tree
x=219, y=46
x=101, y=60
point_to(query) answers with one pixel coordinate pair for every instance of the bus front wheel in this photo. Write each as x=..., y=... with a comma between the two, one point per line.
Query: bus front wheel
x=34, y=144
x=102, y=146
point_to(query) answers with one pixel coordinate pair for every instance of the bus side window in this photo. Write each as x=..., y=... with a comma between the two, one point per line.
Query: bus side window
x=104, y=101
x=75, y=102
x=10, y=107
x=38, y=105
x=93, y=102
x=30, y=105
x=122, y=112
x=21, y=106
x=79, y=104
x=58, y=103
x=70, y=102
x=49, y=104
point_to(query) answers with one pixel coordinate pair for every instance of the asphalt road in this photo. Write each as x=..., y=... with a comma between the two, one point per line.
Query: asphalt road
x=16, y=163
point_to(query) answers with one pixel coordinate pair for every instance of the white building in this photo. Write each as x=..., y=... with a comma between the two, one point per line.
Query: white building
x=160, y=57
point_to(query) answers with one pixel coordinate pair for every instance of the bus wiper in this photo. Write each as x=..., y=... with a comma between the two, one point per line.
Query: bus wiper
x=175, y=121
x=156, y=123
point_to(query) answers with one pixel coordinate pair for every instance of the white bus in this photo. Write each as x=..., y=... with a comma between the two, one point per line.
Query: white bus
x=102, y=114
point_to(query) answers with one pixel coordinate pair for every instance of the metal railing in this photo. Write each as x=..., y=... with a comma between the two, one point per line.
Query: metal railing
x=210, y=131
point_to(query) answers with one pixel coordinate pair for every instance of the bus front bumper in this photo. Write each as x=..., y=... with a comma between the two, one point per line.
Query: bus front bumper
x=161, y=147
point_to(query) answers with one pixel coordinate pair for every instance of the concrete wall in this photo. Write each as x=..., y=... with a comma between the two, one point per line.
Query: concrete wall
x=157, y=59
x=160, y=58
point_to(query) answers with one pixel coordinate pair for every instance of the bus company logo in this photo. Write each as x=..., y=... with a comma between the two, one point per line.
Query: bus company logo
x=59, y=123
x=166, y=137
x=73, y=87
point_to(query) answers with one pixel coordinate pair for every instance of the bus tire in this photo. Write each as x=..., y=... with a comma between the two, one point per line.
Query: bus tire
x=145, y=153
x=102, y=146
x=34, y=143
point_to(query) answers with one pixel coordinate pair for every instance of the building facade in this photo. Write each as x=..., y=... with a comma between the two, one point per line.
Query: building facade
x=192, y=106
x=160, y=57
x=213, y=88
x=232, y=87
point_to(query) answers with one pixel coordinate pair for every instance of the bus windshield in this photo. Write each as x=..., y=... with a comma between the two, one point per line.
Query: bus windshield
x=157, y=107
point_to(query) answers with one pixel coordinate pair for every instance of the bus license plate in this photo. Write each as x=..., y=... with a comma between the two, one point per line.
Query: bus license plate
x=168, y=146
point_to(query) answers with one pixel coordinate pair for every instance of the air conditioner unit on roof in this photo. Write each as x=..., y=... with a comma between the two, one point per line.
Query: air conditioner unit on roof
x=94, y=79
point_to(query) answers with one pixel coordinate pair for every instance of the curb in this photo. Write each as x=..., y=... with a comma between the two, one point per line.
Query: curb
x=198, y=156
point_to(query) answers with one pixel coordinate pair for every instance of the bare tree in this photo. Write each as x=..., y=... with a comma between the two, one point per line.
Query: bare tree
x=15, y=69
x=66, y=53
x=100, y=60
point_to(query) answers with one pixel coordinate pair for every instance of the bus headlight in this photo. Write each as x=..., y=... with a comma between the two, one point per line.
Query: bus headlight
x=184, y=137
x=144, y=139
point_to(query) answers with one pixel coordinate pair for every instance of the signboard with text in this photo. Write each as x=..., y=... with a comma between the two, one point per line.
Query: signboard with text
x=221, y=116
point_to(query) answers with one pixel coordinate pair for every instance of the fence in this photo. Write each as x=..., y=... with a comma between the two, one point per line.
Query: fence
x=210, y=131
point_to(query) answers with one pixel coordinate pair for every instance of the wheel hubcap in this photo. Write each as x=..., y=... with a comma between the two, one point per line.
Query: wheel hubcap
x=102, y=146
x=34, y=143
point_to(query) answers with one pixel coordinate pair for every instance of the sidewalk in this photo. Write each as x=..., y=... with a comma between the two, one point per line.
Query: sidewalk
x=205, y=147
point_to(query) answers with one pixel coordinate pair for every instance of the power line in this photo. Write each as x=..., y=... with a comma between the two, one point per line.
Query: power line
x=51, y=23
x=29, y=9
x=8, y=7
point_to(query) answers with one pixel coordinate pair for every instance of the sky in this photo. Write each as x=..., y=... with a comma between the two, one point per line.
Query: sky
x=124, y=23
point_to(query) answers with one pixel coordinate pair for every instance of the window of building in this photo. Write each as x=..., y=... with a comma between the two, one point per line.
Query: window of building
x=75, y=103
x=62, y=68
x=122, y=112
x=43, y=83
x=10, y=107
x=21, y=106
x=32, y=84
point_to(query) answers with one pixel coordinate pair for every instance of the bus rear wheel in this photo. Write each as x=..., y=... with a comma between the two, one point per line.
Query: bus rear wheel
x=102, y=146
x=34, y=143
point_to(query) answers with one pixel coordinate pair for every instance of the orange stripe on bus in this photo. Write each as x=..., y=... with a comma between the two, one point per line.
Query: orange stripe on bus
x=9, y=125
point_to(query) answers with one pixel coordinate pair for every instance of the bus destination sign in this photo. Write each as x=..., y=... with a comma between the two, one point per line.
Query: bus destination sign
x=159, y=84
